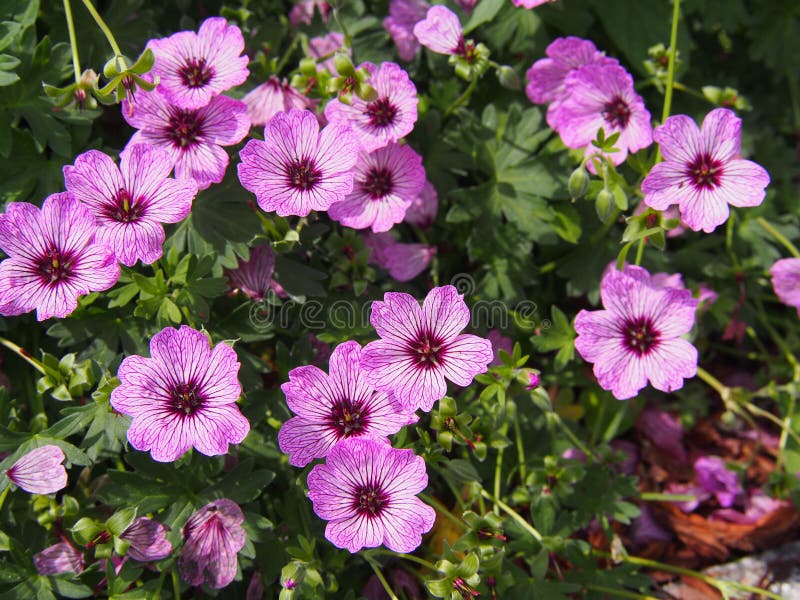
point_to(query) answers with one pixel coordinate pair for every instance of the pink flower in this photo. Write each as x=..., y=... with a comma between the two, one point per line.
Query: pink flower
x=638, y=336
x=664, y=430
x=422, y=211
x=387, y=181
x=441, y=31
x=403, y=261
x=254, y=277
x=758, y=506
x=53, y=257
x=367, y=493
x=298, y=168
x=646, y=529
x=702, y=172
x=184, y=396
x=303, y=12
x=131, y=202
x=403, y=15
x=530, y=3
x=195, y=67
x=499, y=342
x=212, y=538
x=467, y=5
x=786, y=281
x=272, y=97
x=328, y=44
x=57, y=559
x=147, y=539
x=546, y=76
x=384, y=120
x=334, y=407
x=192, y=138
x=714, y=477
x=421, y=347
x=533, y=381
x=40, y=471
x=601, y=96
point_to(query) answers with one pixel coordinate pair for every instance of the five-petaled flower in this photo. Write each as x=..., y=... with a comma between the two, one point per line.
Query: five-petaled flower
x=40, y=471
x=702, y=171
x=421, y=347
x=637, y=337
x=184, y=396
x=334, y=407
x=53, y=257
x=367, y=492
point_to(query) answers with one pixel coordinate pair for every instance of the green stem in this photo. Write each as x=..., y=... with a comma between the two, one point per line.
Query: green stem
x=656, y=497
x=498, y=475
x=381, y=578
x=787, y=427
x=715, y=383
x=787, y=352
x=409, y=557
x=618, y=593
x=3, y=497
x=103, y=27
x=570, y=434
x=73, y=42
x=285, y=58
x=514, y=515
x=462, y=98
x=722, y=586
x=673, y=51
x=176, y=583
x=336, y=17
x=779, y=236
x=22, y=353
x=441, y=508
x=639, y=252
x=692, y=92
x=520, y=450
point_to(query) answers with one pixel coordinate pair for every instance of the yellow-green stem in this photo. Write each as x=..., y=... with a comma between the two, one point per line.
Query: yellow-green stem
x=409, y=557
x=514, y=515
x=103, y=27
x=618, y=593
x=640, y=252
x=779, y=236
x=176, y=584
x=715, y=383
x=381, y=578
x=787, y=427
x=23, y=354
x=520, y=450
x=673, y=51
x=442, y=509
x=498, y=474
x=462, y=98
x=73, y=42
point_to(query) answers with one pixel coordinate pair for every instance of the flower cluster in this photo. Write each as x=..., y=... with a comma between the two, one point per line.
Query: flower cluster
x=366, y=489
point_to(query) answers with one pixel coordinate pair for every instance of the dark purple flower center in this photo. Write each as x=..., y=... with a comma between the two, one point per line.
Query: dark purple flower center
x=378, y=183
x=705, y=171
x=54, y=266
x=381, y=113
x=370, y=500
x=303, y=174
x=195, y=73
x=617, y=113
x=428, y=351
x=186, y=399
x=124, y=208
x=466, y=50
x=640, y=335
x=185, y=126
x=348, y=418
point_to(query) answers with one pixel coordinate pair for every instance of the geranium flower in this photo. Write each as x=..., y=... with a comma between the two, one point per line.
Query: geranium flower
x=367, y=492
x=441, y=31
x=714, y=477
x=546, y=76
x=387, y=181
x=637, y=337
x=403, y=15
x=147, y=539
x=326, y=45
x=386, y=119
x=334, y=407
x=601, y=96
x=212, y=538
x=403, y=261
x=53, y=257
x=131, y=202
x=786, y=281
x=194, y=67
x=272, y=97
x=499, y=342
x=421, y=347
x=59, y=558
x=184, y=396
x=422, y=211
x=192, y=137
x=254, y=277
x=303, y=12
x=298, y=168
x=40, y=471
x=702, y=171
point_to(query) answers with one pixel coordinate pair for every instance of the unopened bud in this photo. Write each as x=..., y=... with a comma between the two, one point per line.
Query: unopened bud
x=604, y=205
x=344, y=66
x=508, y=77
x=578, y=182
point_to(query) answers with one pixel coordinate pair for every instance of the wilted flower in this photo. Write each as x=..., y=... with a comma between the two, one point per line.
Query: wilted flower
x=713, y=476
x=147, y=539
x=702, y=171
x=131, y=202
x=57, y=559
x=195, y=67
x=420, y=347
x=53, y=257
x=637, y=337
x=40, y=471
x=786, y=281
x=367, y=492
x=184, y=396
x=298, y=168
x=757, y=506
x=386, y=119
x=334, y=407
x=387, y=181
x=192, y=138
x=403, y=15
x=212, y=538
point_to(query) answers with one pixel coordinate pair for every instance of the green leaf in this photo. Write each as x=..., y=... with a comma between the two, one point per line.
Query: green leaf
x=297, y=278
x=484, y=12
x=121, y=520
